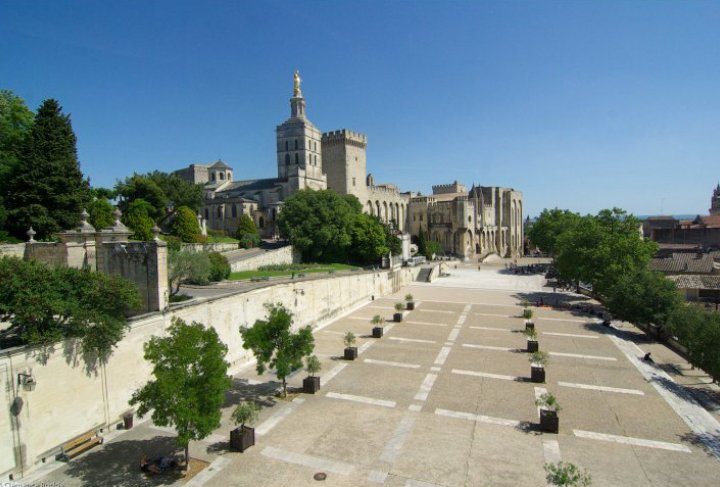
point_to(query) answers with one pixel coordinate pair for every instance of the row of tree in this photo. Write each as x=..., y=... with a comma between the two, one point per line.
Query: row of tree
x=190, y=373
x=327, y=227
x=607, y=252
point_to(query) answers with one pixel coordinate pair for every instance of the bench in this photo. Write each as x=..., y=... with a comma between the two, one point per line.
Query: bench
x=78, y=445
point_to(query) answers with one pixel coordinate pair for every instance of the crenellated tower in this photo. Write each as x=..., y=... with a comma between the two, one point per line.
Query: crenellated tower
x=346, y=162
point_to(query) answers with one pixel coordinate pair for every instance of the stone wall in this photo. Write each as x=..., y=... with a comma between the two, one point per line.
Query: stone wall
x=239, y=261
x=210, y=247
x=70, y=400
x=12, y=250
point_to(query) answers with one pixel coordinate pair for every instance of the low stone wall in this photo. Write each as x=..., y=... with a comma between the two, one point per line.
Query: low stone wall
x=12, y=250
x=284, y=255
x=210, y=247
x=70, y=400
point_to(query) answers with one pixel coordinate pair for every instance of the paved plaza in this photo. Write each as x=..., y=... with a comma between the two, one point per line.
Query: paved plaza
x=444, y=399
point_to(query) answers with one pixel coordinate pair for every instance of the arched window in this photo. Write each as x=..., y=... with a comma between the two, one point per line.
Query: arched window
x=234, y=211
x=296, y=159
x=212, y=176
x=287, y=159
x=222, y=176
x=296, y=144
x=287, y=145
x=219, y=212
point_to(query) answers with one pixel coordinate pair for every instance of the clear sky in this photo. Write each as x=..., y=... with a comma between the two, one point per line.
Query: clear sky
x=579, y=104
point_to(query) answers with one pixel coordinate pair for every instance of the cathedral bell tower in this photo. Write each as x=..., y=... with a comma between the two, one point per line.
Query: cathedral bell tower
x=299, y=148
x=715, y=201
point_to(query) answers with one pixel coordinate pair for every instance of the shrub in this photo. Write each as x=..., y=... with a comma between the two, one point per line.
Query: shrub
x=399, y=306
x=567, y=474
x=312, y=365
x=349, y=339
x=185, y=225
x=547, y=401
x=408, y=297
x=245, y=412
x=527, y=313
x=219, y=267
x=174, y=243
x=249, y=240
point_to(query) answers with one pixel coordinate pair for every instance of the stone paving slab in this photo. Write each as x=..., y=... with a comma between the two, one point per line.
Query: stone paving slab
x=387, y=422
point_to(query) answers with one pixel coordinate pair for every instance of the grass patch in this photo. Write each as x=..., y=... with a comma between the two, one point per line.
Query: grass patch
x=288, y=270
x=214, y=239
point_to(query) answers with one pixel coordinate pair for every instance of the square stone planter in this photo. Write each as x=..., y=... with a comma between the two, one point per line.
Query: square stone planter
x=377, y=332
x=350, y=353
x=549, y=421
x=397, y=317
x=532, y=346
x=410, y=305
x=242, y=438
x=311, y=385
x=537, y=374
x=529, y=325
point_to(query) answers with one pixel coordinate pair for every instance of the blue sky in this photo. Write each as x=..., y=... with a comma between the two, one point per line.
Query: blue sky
x=581, y=105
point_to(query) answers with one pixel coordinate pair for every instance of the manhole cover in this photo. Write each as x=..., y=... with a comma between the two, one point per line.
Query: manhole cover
x=320, y=476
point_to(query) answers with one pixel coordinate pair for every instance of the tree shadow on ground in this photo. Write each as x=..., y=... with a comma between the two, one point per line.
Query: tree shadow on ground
x=577, y=304
x=117, y=463
x=261, y=394
x=708, y=442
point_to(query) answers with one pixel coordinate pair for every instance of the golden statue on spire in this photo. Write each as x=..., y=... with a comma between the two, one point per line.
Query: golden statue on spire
x=296, y=84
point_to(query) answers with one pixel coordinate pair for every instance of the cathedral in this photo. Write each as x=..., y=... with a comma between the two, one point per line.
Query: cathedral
x=482, y=221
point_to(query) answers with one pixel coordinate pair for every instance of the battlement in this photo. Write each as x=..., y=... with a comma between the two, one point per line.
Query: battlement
x=344, y=136
x=384, y=188
x=454, y=187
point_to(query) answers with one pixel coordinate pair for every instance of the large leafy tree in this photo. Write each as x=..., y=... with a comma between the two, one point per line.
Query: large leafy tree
x=643, y=296
x=188, y=266
x=160, y=190
x=44, y=305
x=47, y=190
x=185, y=225
x=369, y=239
x=318, y=224
x=189, y=384
x=275, y=345
x=139, y=187
x=549, y=226
x=699, y=331
x=599, y=249
x=101, y=212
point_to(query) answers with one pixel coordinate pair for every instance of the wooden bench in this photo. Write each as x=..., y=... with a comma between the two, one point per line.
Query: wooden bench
x=78, y=445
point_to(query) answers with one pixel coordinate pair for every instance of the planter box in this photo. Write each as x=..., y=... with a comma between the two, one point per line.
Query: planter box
x=397, y=317
x=537, y=374
x=242, y=438
x=410, y=305
x=377, y=332
x=549, y=421
x=311, y=385
x=350, y=353
x=529, y=325
x=532, y=346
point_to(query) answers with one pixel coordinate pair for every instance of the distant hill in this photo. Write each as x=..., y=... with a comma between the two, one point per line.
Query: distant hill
x=677, y=217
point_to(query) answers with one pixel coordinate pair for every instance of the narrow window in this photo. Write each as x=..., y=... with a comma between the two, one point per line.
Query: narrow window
x=287, y=159
x=234, y=211
x=353, y=181
x=296, y=159
x=296, y=144
x=207, y=214
x=287, y=145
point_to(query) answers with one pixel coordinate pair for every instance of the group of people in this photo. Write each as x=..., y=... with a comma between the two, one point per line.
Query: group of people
x=157, y=465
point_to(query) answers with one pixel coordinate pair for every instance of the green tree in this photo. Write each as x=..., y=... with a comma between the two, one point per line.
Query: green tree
x=178, y=191
x=319, y=224
x=642, y=296
x=101, y=213
x=219, y=267
x=139, y=187
x=185, y=225
x=246, y=225
x=599, y=249
x=138, y=219
x=422, y=242
x=699, y=331
x=189, y=384
x=392, y=241
x=545, y=231
x=15, y=124
x=369, y=239
x=44, y=305
x=48, y=191
x=187, y=266
x=275, y=345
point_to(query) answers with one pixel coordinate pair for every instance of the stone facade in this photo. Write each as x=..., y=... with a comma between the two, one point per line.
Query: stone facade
x=471, y=223
x=337, y=160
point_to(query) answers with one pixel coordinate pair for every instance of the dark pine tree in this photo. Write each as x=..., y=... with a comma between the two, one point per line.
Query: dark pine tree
x=47, y=189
